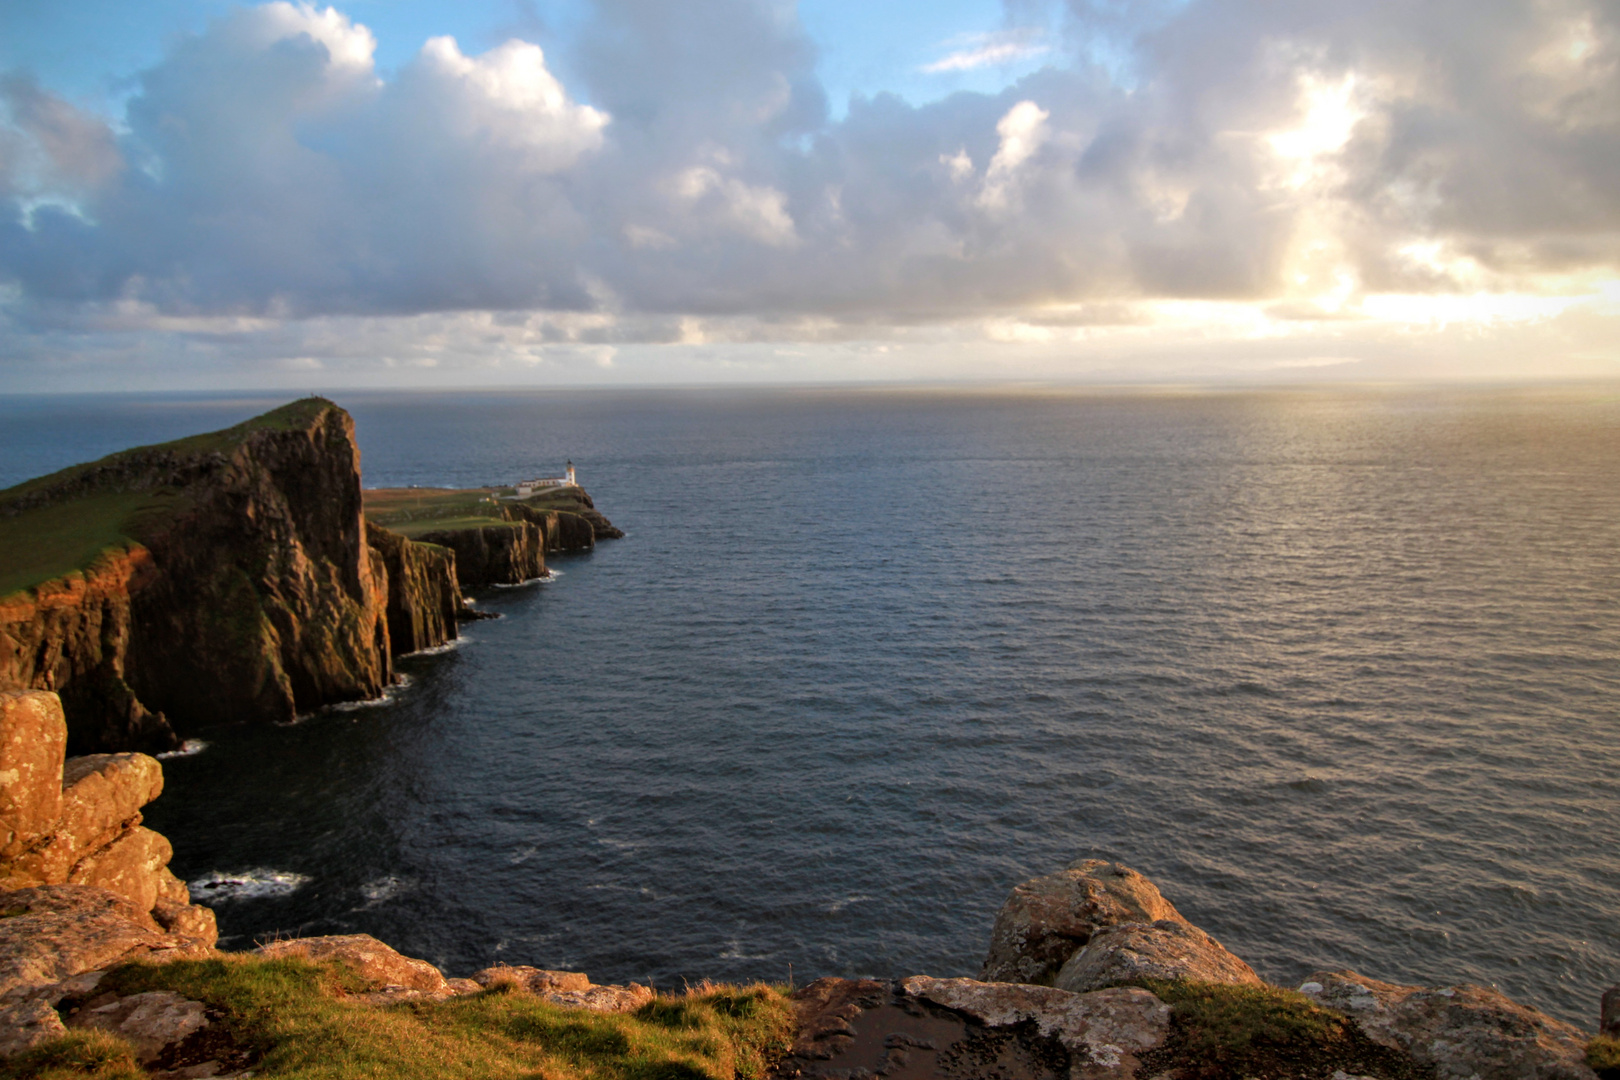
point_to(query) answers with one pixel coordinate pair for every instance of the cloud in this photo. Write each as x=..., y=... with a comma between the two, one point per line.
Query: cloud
x=986, y=50
x=1315, y=161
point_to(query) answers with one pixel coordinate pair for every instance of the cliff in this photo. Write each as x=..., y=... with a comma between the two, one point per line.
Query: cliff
x=497, y=540
x=236, y=581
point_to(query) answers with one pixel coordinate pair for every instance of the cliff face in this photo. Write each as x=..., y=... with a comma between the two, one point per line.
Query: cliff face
x=267, y=602
x=503, y=554
x=424, y=592
x=248, y=587
x=72, y=635
x=515, y=551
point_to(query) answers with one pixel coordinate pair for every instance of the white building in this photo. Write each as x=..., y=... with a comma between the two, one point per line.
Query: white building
x=525, y=488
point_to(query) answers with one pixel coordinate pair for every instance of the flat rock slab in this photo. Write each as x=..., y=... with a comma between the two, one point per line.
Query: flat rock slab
x=25, y=1024
x=152, y=1022
x=53, y=931
x=956, y=1029
x=1462, y=1032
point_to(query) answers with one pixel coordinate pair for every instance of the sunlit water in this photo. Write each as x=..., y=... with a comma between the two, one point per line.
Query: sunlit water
x=1338, y=670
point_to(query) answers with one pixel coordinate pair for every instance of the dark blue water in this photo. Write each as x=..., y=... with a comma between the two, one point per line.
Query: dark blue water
x=1339, y=670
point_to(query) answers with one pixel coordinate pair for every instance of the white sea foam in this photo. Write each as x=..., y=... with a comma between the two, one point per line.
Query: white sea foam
x=548, y=576
x=256, y=884
x=187, y=748
x=384, y=888
x=435, y=650
x=402, y=683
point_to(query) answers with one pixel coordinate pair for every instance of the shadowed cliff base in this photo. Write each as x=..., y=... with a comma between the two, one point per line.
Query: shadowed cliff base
x=232, y=577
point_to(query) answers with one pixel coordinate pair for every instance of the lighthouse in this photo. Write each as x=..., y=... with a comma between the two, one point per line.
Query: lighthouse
x=571, y=479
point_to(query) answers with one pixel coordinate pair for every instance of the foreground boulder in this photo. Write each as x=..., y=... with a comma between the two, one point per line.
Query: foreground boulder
x=78, y=821
x=1046, y=920
x=1167, y=949
x=1461, y=1032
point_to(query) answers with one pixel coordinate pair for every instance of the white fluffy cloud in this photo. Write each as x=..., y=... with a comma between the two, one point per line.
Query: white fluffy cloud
x=1318, y=161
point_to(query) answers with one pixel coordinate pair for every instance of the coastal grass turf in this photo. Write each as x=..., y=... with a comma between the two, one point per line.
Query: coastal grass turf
x=413, y=511
x=52, y=541
x=1603, y=1054
x=294, y=1019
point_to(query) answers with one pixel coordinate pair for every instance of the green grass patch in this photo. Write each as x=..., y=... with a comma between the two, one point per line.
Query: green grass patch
x=413, y=511
x=75, y=1056
x=53, y=541
x=1603, y=1054
x=1219, y=1031
x=297, y=1022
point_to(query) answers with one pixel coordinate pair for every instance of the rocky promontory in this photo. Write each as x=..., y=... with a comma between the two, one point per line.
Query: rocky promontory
x=235, y=577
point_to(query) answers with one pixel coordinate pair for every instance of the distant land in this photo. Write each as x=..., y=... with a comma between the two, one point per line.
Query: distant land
x=243, y=575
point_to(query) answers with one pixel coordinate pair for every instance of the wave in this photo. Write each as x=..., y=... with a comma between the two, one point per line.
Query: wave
x=187, y=748
x=548, y=576
x=256, y=884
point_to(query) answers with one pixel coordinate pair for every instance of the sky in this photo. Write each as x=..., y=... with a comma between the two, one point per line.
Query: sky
x=202, y=195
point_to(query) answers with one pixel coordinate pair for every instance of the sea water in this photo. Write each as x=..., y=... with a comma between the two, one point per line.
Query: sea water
x=1338, y=669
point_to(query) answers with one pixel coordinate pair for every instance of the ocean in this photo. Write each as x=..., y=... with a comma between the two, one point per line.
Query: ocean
x=1339, y=669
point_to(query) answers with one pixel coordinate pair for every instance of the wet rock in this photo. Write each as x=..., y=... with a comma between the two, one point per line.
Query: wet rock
x=33, y=738
x=26, y=1024
x=1046, y=920
x=1167, y=949
x=373, y=961
x=1462, y=1032
x=53, y=931
x=152, y=1022
x=1105, y=1032
x=570, y=989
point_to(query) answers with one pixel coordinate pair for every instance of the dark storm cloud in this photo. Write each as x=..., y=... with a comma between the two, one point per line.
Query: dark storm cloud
x=267, y=170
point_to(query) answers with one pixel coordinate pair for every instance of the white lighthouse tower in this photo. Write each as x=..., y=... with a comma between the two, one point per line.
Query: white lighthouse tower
x=571, y=479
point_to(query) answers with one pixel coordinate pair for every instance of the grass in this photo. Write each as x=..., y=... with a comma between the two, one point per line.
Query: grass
x=413, y=511
x=1603, y=1054
x=293, y=1017
x=60, y=538
x=1219, y=1030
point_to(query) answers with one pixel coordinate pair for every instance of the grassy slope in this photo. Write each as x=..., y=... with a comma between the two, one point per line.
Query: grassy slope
x=414, y=511
x=52, y=541
x=292, y=1017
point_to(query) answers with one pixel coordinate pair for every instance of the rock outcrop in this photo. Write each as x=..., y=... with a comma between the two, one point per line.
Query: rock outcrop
x=1046, y=920
x=569, y=989
x=1460, y=1032
x=1130, y=953
x=85, y=883
x=380, y=966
